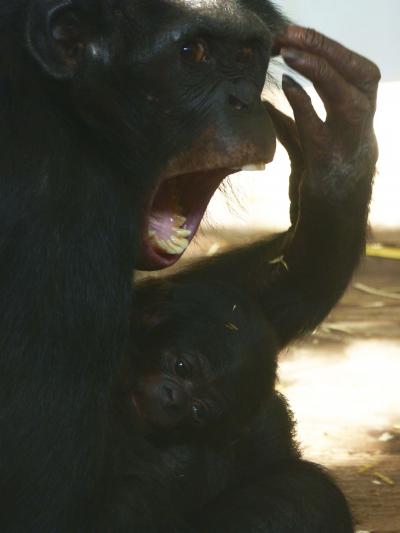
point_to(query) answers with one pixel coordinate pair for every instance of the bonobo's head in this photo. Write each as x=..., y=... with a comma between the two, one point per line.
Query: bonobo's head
x=202, y=356
x=167, y=91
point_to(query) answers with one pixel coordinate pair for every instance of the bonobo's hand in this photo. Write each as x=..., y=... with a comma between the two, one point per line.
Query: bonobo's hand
x=342, y=151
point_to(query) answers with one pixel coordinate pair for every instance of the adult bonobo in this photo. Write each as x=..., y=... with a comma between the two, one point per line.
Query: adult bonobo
x=118, y=119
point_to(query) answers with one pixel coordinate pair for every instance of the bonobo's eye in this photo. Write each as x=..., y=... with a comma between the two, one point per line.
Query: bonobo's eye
x=245, y=54
x=195, y=51
x=199, y=412
x=182, y=369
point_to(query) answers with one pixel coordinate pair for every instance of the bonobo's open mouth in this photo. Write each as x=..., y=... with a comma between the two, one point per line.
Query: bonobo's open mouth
x=181, y=195
x=176, y=210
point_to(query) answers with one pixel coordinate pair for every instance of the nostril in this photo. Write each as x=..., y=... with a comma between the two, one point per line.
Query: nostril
x=173, y=396
x=236, y=103
x=243, y=95
x=169, y=397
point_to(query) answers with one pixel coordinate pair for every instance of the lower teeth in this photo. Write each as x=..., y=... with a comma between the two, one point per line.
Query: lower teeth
x=177, y=242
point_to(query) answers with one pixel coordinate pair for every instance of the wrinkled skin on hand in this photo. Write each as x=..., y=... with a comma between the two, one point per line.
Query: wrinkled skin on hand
x=342, y=148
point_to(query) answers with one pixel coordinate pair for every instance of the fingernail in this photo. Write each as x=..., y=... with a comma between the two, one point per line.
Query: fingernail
x=290, y=54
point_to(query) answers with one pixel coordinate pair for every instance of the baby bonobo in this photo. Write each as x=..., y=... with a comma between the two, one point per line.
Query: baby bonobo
x=210, y=360
x=216, y=434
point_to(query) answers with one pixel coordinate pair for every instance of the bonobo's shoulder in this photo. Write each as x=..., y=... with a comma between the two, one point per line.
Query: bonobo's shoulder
x=271, y=434
x=275, y=410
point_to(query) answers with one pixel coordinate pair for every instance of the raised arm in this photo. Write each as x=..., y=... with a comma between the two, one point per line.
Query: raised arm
x=298, y=276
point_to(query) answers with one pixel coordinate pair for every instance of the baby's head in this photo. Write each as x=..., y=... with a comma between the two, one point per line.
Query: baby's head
x=202, y=355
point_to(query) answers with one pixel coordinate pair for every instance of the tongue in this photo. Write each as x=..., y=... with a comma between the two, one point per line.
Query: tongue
x=163, y=224
x=168, y=232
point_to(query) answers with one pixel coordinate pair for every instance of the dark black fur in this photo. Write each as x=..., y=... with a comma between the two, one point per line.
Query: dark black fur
x=240, y=469
x=82, y=149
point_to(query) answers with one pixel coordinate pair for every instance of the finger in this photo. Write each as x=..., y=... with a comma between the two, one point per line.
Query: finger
x=355, y=68
x=286, y=131
x=288, y=136
x=343, y=102
x=309, y=125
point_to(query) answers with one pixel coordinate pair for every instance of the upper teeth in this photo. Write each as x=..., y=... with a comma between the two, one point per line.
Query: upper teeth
x=177, y=242
x=253, y=167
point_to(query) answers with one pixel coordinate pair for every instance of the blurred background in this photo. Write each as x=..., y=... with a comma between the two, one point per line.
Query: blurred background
x=343, y=382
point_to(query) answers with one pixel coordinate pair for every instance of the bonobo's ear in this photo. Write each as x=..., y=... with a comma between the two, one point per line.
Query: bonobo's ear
x=56, y=36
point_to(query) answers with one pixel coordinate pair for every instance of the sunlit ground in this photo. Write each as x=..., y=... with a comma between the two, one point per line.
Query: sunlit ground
x=344, y=397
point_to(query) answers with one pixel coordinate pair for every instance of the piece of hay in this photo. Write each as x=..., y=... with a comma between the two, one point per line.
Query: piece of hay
x=231, y=326
x=385, y=479
x=376, y=292
x=386, y=252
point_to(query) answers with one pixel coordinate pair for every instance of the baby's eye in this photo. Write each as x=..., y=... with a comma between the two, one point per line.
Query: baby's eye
x=182, y=369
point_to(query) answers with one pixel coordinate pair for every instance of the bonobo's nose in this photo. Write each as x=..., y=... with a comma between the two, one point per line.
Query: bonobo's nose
x=243, y=95
x=173, y=396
